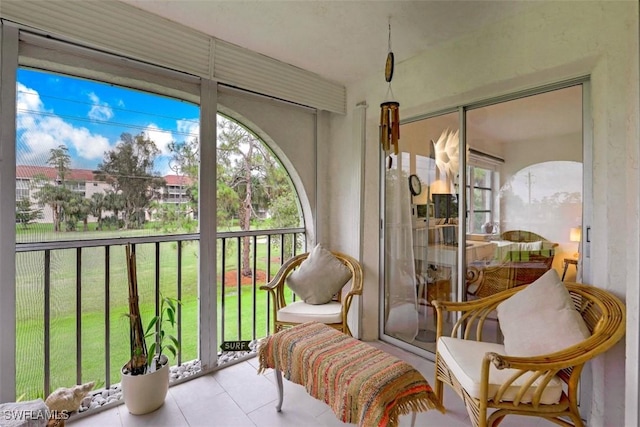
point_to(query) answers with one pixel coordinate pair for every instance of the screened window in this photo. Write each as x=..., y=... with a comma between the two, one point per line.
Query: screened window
x=92, y=162
x=101, y=164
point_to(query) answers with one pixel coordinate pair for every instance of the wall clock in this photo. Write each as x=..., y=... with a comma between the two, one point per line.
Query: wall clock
x=415, y=186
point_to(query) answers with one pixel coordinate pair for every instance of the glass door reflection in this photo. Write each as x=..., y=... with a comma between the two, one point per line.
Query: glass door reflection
x=423, y=252
x=524, y=200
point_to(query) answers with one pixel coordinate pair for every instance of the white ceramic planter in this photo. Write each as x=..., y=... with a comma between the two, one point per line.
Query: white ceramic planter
x=145, y=393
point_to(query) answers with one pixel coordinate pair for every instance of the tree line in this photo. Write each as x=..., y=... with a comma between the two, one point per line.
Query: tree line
x=133, y=184
x=251, y=185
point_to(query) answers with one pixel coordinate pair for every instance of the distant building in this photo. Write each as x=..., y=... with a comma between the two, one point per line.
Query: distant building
x=175, y=191
x=29, y=180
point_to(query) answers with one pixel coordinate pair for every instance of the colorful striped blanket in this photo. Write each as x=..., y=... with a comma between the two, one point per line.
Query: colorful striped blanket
x=360, y=383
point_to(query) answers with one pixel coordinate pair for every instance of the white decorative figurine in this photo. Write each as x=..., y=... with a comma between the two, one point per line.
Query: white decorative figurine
x=68, y=399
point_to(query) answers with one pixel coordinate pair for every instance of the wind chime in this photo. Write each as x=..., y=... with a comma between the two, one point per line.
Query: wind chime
x=389, y=111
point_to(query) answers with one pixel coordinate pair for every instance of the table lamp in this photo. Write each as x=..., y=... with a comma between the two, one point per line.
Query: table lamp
x=575, y=235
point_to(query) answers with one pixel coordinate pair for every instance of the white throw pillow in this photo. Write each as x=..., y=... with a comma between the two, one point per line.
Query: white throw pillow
x=319, y=277
x=541, y=319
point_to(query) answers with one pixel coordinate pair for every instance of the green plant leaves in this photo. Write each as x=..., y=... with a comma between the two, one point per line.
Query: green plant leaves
x=155, y=330
x=151, y=325
x=152, y=353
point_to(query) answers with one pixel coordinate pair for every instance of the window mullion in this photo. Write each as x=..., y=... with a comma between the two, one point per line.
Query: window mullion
x=207, y=291
x=8, y=71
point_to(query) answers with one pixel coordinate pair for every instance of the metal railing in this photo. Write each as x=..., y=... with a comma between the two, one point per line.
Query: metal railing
x=239, y=297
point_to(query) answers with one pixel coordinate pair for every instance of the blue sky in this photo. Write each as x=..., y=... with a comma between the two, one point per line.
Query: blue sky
x=89, y=117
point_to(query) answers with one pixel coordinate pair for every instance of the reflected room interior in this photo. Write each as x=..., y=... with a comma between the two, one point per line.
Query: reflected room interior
x=523, y=194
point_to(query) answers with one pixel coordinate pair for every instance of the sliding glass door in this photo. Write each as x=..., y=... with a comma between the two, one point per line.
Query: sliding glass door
x=519, y=160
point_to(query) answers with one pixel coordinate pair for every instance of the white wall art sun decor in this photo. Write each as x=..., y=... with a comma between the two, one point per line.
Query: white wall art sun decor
x=447, y=153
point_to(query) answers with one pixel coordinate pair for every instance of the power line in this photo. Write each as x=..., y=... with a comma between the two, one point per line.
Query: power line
x=195, y=121
x=102, y=122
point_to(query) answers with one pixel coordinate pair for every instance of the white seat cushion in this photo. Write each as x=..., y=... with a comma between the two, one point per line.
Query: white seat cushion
x=464, y=359
x=301, y=312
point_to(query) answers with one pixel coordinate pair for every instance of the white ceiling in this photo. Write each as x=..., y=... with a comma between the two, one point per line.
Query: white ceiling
x=343, y=41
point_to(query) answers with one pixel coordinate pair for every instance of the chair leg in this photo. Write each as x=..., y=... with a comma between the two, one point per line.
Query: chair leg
x=439, y=390
x=278, y=375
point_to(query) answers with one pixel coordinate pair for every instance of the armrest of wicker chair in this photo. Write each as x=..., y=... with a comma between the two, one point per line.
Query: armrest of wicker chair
x=276, y=286
x=604, y=315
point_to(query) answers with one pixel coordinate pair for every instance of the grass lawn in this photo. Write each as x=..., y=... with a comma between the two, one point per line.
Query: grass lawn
x=93, y=308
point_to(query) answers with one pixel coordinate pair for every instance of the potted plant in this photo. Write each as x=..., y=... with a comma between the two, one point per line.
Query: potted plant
x=145, y=377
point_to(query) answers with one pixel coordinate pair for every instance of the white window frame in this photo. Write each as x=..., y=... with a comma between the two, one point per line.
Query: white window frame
x=21, y=48
x=492, y=190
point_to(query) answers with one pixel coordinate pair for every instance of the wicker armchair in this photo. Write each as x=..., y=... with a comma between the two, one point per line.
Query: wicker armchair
x=519, y=267
x=328, y=313
x=604, y=315
x=485, y=281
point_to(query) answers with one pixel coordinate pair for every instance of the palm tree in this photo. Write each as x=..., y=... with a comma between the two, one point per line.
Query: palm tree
x=96, y=206
x=59, y=159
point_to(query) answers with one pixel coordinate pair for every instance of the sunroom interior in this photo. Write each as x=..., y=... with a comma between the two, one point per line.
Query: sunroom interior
x=539, y=101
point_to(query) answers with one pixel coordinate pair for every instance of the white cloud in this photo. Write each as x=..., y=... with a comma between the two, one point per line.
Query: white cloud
x=190, y=127
x=40, y=130
x=100, y=110
x=28, y=104
x=161, y=137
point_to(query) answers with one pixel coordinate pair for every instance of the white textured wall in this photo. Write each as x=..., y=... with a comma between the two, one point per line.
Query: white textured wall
x=548, y=43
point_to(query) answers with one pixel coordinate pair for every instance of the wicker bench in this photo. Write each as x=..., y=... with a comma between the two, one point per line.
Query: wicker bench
x=368, y=386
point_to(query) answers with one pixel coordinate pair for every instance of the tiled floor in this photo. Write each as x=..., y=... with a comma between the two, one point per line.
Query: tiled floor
x=236, y=397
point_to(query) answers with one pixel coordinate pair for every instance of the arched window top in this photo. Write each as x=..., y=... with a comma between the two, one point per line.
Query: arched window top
x=254, y=188
x=545, y=183
x=105, y=160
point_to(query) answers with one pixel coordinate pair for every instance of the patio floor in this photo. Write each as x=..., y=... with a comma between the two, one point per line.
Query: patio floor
x=237, y=397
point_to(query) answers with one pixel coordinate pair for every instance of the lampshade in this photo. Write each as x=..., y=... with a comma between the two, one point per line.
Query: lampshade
x=441, y=186
x=575, y=234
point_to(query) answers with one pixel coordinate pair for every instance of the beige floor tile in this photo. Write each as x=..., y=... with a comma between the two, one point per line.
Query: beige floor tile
x=296, y=397
x=248, y=389
x=254, y=362
x=168, y=415
x=297, y=410
x=107, y=418
x=219, y=411
x=329, y=419
x=200, y=390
